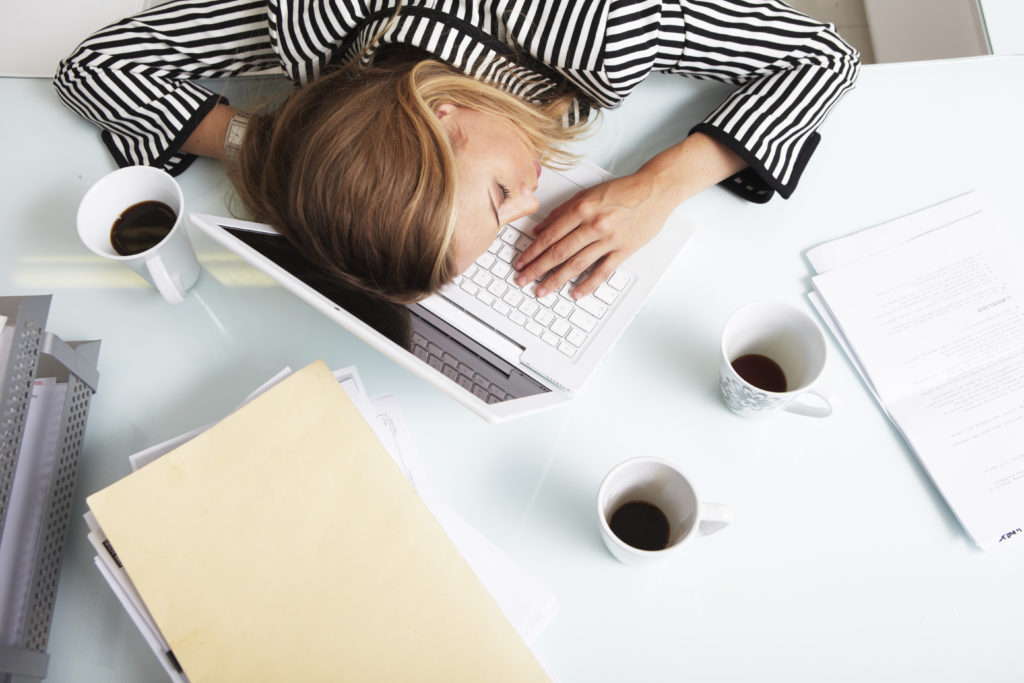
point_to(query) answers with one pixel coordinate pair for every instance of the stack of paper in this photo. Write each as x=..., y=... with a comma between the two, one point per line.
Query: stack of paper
x=284, y=543
x=930, y=308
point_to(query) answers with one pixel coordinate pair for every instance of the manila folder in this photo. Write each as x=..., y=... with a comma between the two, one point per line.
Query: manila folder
x=284, y=544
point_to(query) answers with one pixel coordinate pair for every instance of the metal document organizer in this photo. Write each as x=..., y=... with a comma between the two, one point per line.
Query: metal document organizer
x=33, y=352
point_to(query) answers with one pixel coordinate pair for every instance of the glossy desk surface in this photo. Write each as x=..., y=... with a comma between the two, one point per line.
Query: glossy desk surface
x=843, y=562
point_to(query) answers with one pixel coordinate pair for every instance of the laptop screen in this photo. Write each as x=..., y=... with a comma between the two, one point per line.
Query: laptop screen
x=413, y=328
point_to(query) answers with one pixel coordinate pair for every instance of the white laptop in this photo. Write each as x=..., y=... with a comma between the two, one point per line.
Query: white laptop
x=484, y=341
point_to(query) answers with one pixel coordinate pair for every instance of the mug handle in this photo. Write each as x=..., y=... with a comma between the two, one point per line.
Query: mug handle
x=714, y=517
x=168, y=286
x=800, y=408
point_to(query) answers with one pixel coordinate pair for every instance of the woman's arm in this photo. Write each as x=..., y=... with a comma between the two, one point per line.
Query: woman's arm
x=790, y=71
x=136, y=79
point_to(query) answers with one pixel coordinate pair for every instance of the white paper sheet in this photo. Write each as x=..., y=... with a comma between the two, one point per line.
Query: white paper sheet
x=932, y=312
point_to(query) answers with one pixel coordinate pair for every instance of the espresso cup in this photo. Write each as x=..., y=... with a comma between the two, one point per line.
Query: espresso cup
x=772, y=355
x=169, y=265
x=648, y=511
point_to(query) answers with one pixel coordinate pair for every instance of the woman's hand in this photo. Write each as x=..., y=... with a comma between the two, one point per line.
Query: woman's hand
x=601, y=226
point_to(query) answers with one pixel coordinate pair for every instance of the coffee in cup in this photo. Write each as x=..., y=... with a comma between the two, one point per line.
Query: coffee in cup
x=648, y=510
x=133, y=215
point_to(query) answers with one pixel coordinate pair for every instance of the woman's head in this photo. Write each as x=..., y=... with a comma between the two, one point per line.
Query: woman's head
x=378, y=174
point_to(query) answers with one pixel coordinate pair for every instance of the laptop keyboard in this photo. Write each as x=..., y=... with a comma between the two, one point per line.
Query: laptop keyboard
x=457, y=371
x=557, y=319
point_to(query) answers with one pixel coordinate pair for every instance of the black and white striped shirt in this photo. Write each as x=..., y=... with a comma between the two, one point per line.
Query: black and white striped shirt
x=137, y=78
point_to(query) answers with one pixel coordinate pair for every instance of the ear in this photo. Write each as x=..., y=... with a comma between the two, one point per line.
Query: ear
x=449, y=116
x=445, y=110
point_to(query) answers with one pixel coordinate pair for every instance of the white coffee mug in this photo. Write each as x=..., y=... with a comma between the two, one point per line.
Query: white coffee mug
x=171, y=265
x=789, y=337
x=659, y=483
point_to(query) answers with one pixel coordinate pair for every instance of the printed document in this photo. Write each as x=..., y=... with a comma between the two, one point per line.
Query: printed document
x=931, y=309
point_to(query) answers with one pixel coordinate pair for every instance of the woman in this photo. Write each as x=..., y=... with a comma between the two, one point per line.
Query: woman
x=418, y=130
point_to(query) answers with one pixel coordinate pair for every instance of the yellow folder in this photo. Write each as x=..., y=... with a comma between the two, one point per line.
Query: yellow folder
x=284, y=544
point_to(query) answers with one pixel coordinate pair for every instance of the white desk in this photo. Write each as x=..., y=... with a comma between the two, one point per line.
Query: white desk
x=843, y=563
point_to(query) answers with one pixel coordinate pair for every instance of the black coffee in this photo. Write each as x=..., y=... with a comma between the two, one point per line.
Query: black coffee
x=641, y=525
x=761, y=371
x=141, y=227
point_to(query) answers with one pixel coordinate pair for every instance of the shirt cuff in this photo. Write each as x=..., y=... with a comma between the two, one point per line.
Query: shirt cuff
x=755, y=183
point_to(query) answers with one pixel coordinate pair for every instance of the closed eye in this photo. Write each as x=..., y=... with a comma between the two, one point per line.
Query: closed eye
x=504, y=191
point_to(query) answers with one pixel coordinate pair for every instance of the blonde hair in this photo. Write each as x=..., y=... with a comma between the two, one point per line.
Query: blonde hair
x=357, y=172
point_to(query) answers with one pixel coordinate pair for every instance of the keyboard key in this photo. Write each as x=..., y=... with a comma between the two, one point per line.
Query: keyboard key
x=435, y=363
x=485, y=260
x=509, y=235
x=495, y=246
x=592, y=306
x=529, y=307
x=507, y=254
x=550, y=338
x=483, y=278
x=517, y=317
x=451, y=373
x=434, y=349
x=584, y=321
x=618, y=281
x=449, y=359
x=606, y=293
x=469, y=287
x=562, y=308
x=576, y=337
x=466, y=383
x=534, y=328
x=513, y=297
x=498, y=288
x=502, y=308
x=544, y=317
x=501, y=269
x=560, y=327
x=567, y=348
x=480, y=379
x=548, y=299
x=485, y=297
x=480, y=393
x=465, y=370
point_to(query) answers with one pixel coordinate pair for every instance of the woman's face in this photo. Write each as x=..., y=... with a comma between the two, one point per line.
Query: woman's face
x=496, y=173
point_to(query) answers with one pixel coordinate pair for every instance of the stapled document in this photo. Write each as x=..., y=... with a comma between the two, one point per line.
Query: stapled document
x=931, y=309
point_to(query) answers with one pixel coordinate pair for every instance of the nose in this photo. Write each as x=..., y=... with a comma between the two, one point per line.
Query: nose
x=526, y=202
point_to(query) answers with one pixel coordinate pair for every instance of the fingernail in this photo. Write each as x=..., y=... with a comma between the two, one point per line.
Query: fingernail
x=540, y=292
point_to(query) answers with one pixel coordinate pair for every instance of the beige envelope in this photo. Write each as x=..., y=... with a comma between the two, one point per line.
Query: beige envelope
x=284, y=544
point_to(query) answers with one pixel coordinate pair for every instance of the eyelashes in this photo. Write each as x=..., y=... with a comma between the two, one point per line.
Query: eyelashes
x=504, y=191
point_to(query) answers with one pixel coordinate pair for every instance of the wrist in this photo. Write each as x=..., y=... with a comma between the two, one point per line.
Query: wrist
x=233, y=136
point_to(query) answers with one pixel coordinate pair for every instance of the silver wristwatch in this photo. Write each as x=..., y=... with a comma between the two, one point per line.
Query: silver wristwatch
x=234, y=135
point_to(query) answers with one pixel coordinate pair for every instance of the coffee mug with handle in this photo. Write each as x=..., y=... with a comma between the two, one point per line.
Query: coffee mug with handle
x=658, y=483
x=171, y=265
x=792, y=341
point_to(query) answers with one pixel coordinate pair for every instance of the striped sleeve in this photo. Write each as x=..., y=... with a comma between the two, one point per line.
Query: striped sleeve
x=136, y=78
x=789, y=68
